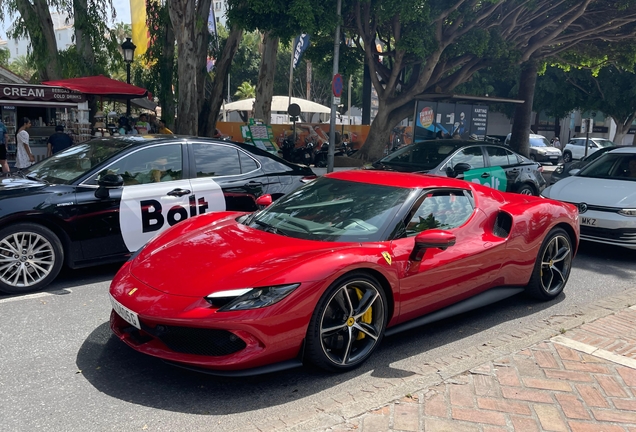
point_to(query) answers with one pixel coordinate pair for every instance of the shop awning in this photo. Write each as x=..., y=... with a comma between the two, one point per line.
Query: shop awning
x=101, y=86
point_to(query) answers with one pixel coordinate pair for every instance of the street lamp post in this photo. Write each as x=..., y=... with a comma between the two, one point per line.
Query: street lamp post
x=128, y=48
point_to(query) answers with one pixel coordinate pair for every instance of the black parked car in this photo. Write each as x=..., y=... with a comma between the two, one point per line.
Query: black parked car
x=101, y=201
x=563, y=169
x=477, y=161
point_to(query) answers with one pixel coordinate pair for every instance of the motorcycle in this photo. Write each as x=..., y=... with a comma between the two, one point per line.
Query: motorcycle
x=322, y=155
x=303, y=155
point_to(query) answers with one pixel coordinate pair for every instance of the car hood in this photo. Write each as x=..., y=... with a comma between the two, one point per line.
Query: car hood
x=548, y=150
x=19, y=183
x=594, y=191
x=222, y=257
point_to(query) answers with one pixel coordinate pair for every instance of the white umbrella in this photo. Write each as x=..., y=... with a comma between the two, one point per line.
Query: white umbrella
x=279, y=103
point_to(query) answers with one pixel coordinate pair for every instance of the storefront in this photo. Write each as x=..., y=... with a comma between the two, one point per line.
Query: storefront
x=46, y=107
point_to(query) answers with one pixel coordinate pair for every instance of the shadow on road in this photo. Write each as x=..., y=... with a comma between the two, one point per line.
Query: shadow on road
x=118, y=371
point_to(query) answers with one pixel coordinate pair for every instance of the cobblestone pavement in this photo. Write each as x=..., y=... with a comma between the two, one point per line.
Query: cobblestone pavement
x=583, y=380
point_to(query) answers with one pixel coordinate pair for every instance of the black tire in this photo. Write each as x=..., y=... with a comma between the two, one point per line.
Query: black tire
x=552, y=267
x=526, y=189
x=567, y=157
x=34, y=263
x=348, y=323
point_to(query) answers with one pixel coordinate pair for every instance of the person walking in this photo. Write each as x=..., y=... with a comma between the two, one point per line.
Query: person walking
x=3, y=148
x=557, y=143
x=24, y=156
x=58, y=141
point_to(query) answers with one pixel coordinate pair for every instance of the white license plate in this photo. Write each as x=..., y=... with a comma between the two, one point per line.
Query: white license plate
x=131, y=317
x=588, y=221
x=554, y=157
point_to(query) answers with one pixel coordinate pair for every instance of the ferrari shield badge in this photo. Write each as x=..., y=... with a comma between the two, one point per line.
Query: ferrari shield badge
x=387, y=257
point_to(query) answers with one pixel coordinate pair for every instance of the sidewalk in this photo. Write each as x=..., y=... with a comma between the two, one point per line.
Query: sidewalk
x=582, y=380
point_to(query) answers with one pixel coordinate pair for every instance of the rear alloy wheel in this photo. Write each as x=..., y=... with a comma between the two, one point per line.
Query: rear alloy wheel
x=553, y=265
x=347, y=324
x=567, y=157
x=526, y=190
x=31, y=257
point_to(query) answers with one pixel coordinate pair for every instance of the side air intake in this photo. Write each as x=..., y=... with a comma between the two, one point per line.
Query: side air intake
x=503, y=224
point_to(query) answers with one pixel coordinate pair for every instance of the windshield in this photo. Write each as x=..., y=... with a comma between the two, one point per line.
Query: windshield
x=619, y=166
x=422, y=156
x=72, y=163
x=539, y=142
x=333, y=210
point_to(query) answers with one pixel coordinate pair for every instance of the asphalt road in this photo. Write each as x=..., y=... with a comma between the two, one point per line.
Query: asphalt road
x=61, y=370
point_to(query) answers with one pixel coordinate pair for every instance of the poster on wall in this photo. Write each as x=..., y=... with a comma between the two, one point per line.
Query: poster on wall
x=425, y=125
x=463, y=117
x=448, y=120
x=480, y=121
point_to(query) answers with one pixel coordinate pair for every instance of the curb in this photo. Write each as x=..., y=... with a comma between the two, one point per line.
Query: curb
x=331, y=413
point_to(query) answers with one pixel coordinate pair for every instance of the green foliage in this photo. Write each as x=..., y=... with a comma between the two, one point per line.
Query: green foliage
x=22, y=67
x=245, y=91
x=4, y=57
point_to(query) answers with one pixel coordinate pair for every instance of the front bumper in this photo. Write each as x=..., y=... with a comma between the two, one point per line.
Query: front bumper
x=547, y=158
x=608, y=227
x=191, y=333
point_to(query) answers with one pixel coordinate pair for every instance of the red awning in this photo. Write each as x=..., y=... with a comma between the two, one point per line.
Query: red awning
x=100, y=85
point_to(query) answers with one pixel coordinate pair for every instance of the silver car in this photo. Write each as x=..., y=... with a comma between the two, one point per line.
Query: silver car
x=605, y=194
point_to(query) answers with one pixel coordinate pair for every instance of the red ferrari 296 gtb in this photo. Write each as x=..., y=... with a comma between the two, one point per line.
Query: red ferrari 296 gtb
x=325, y=272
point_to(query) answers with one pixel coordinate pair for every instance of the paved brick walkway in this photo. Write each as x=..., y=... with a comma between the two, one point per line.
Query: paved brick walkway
x=583, y=380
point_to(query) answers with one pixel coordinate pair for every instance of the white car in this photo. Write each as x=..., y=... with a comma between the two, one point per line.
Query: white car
x=605, y=194
x=540, y=149
x=575, y=149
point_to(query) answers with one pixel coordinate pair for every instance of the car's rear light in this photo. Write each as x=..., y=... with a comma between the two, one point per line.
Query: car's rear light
x=308, y=179
x=540, y=168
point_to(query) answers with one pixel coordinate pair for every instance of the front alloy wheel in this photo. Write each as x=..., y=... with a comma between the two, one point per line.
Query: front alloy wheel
x=553, y=266
x=30, y=258
x=348, y=324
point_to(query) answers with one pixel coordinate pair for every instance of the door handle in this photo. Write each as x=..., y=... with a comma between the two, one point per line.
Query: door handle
x=253, y=184
x=178, y=192
x=485, y=175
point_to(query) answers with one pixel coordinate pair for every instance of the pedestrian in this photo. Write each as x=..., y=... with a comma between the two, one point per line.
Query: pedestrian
x=24, y=156
x=58, y=141
x=557, y=143
x=163, y=129
x=3, y=148
x=142, y=125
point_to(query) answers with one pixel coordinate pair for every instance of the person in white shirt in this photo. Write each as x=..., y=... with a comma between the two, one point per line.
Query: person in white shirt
x=24, y=156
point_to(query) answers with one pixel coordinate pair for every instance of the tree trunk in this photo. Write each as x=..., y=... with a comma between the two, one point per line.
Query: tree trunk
x=166, y=96
x=183, y=18
x=266, y=74
x=622, y=128
x=201, y=43
x=222, y=67
x=82, y=36
x=39, y=24
x=520, y=139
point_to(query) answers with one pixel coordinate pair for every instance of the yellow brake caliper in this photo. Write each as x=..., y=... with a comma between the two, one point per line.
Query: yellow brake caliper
x=367, y=317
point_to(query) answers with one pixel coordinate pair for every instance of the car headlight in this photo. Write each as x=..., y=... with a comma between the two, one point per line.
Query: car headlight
x=627, y=212
x=559, y=169
x=541, y=151
x=250, y=298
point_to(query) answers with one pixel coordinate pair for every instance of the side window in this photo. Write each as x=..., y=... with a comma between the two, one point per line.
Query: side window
x=247, y=163
x=470, y=155
x=578, y=142
x=499, y=156
x=212, y=160
x=160, y=163
x=440, y=210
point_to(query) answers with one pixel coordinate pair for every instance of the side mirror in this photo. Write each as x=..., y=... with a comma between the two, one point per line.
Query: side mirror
x=450, y=172
x=264, y=200
x=461, y=168
x=109, y=181
x=438, y=239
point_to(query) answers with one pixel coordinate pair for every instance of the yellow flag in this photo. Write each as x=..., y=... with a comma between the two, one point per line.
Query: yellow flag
x=139, y=28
